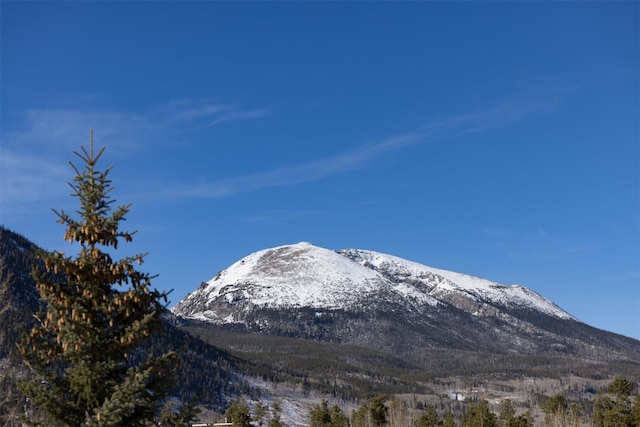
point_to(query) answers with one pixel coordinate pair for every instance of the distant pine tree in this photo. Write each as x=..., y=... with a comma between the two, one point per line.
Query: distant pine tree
x=479, y=415
x=239, y=414
x=85, y=351
x=378, y=410
x=448, y=420
x=323, y=416
x=428, y=418
x=617, y=407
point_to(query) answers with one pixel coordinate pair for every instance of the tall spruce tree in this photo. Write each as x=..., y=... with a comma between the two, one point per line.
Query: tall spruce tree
x=86, y=351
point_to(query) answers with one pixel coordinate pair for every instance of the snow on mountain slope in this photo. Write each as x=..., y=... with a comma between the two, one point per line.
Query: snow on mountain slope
x=304, y=275
x=443, y=282
x=300, y=275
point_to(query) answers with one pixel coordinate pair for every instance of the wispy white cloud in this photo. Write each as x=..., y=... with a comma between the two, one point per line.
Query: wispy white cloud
x=485, y=120
x=26, y=180
x=294, y=174
x=279, y=216
x=55, y=129
x=205, y=113
x=35, y=152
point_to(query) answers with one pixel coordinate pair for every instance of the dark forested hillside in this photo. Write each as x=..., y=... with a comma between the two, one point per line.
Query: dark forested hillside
x=18, y=295
x=350, y=371
x=18, y=301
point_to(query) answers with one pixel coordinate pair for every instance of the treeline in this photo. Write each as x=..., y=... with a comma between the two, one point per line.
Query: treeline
x=617, y=406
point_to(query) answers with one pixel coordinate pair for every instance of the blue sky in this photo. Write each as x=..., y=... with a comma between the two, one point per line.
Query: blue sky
x=496, y=139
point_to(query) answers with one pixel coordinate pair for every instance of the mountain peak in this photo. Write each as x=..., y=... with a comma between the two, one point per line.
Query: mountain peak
x=297, y=275
x=303, y=275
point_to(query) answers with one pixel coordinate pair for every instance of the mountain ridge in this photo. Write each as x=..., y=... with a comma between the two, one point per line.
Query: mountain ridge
x=478, y=288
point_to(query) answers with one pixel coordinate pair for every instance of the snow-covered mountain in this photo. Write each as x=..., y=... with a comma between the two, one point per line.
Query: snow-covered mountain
x=368, y=298
x=304, y=275
x=299, y=275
